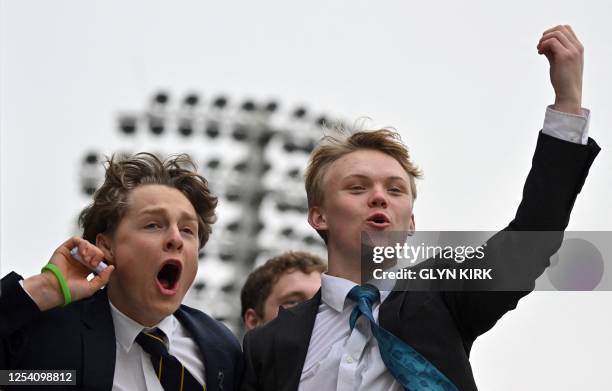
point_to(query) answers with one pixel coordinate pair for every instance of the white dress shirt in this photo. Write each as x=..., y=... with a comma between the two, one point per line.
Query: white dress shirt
x=133, y=367
x=342, y=359
x=338, y=358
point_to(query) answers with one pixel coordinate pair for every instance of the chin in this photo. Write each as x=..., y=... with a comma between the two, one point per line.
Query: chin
x=165, y=311
x=168, y=307
x=175, y=303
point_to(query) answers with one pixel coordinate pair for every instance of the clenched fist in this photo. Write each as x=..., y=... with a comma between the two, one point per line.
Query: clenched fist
x=566, y=57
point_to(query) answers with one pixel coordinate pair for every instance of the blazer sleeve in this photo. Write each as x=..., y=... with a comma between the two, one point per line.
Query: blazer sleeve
x=559, y=170
x=17, y=310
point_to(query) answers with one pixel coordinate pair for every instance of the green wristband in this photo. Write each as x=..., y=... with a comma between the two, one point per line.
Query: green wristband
x=62, y=282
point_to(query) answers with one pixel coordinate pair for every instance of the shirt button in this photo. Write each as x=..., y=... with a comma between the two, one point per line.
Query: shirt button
x=349, y=359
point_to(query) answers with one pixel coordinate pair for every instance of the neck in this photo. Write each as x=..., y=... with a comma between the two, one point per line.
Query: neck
x=344, y=265
x=136, y=315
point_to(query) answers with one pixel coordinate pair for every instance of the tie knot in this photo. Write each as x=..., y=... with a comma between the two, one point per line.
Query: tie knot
x=367, y=292
x=153, y=342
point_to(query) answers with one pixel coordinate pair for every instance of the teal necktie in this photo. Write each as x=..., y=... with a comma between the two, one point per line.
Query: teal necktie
x=413, y=371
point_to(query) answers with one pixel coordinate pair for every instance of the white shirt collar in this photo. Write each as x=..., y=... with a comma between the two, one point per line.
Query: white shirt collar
x=127, y=329
x=334, y=291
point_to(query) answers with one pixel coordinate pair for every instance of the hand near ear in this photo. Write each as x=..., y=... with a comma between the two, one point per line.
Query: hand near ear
x=45, y=288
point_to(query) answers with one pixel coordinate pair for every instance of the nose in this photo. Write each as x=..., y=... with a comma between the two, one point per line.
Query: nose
x=174, y=240
x=378, y=198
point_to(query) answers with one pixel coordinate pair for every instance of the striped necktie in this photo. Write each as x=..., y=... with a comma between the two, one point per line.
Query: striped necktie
x=172, y=375
x=413, y=371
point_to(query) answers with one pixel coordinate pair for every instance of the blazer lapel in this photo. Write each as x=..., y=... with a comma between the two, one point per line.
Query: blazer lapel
x=293, y=332
x=99, y=346
x=214, y=371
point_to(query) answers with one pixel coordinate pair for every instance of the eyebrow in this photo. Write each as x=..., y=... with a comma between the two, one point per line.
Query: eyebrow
x=293, y=294
x=163, y=211
x=361, y=176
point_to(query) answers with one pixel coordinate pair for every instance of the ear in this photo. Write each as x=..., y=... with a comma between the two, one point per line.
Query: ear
x=251, y=319
x=316, y=218
x=412, y=225
x=104, y=243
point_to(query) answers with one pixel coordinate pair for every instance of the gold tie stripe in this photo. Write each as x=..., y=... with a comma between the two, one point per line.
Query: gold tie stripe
x=168, y=372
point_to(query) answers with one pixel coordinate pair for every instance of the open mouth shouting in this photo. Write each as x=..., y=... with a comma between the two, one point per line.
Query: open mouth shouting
x=168, y=277
x=378, y=220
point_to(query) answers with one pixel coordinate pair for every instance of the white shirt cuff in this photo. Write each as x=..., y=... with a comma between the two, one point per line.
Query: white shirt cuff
x=565, y=126
x=24, y=289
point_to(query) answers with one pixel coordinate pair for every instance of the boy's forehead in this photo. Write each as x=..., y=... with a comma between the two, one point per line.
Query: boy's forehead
x=365, y=163
x=157, y=199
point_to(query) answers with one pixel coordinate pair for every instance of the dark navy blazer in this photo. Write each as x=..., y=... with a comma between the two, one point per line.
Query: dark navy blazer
x=81, y=337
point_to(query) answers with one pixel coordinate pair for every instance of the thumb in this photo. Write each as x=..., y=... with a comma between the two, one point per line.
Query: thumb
x=549, y=54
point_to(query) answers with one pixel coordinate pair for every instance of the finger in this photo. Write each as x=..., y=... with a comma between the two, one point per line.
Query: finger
x=63, y=251
x=69, y=244
x=571, y=31
x=546, y=47
x=101, y=279
x=561, y=37
x=572, y=36
x=567, y=37
x=551, y=47
x=97, y=256
x=90, y=253
x=65, y=248
x=558, y=27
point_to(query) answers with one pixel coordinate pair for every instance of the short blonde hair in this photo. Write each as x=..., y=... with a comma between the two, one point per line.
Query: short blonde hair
x=332, y=148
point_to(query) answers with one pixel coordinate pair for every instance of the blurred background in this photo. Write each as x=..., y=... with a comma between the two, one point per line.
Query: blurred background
x=246, y=87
